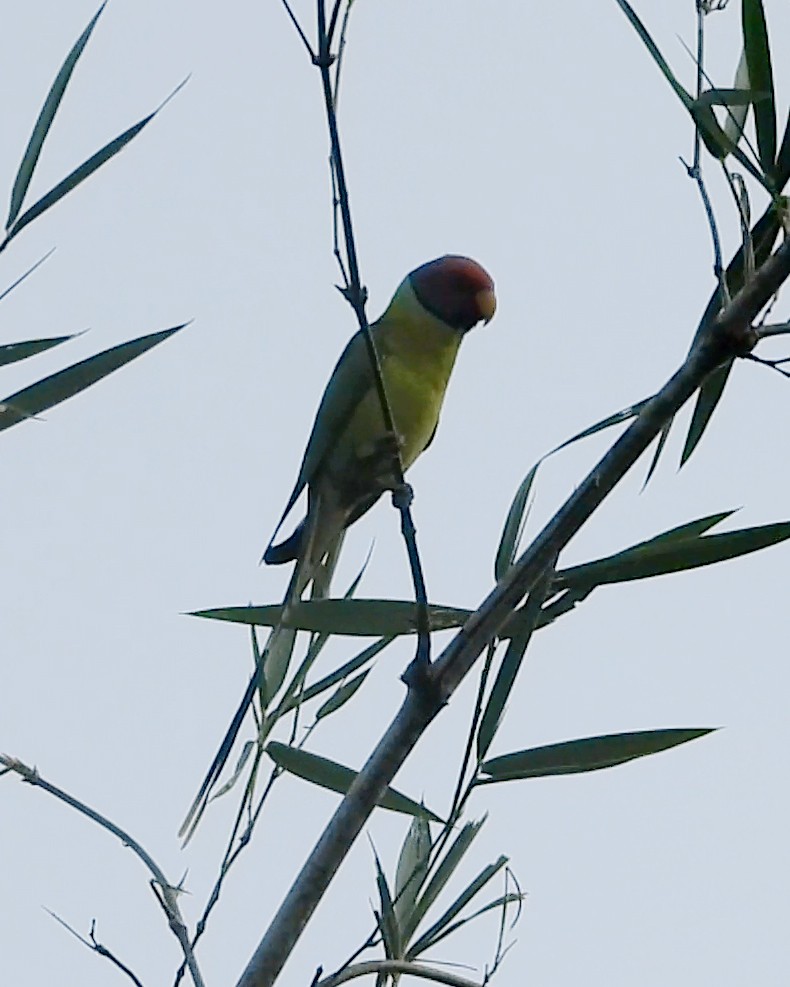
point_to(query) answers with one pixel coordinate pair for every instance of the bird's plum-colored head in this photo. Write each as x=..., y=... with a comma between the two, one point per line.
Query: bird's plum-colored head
x=456, y=290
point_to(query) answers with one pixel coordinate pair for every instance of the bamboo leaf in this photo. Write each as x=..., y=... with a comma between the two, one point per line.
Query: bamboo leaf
x=26, y=275
x=758, y=60
x=277, y=654
x=471, y=891
x=656, y=55
x=64, y=384
x=386, y=918
x=730, y=97
x=708, y=398
x=342, y=695
x=361, y=618
x=616, y=419
x=247, y=749
x=338, y=778
x=735, y=120
x=13, y=352
x=75, y=178
x=679, y=554
x=783, y=158
x=719, y=144
x=445, y=870
x=587, y=754
x=663, y=435
x=346, y=669
x=509, y=669
x=45, y=118
x=411, y=871
x=501, y=902
x=514, y=526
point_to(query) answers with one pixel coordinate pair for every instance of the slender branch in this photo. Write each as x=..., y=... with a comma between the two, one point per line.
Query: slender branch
x=357, y=297
x=740, y=197
x=299, y=30
x=777, y=365
x=694, y=170
x=232, y=852
x=700, y=75
x=167, y=893
x=95, y=946
x=461, y=792
x=341, y=47
x=728, y=336
x=330, y=34
x=397, y=967
x=774, y=329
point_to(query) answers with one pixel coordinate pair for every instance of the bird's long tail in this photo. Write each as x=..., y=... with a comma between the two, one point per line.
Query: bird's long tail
x=276, y=655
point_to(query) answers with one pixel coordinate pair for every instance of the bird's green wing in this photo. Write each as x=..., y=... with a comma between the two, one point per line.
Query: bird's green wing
x=351, y=380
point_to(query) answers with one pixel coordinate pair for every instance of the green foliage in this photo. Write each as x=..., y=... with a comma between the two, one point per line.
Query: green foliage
x=337, y=777
x=587, y=754
x=52, y=390
x=46, y=393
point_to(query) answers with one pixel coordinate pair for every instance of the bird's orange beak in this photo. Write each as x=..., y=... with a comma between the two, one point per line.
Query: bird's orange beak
x=486, y=304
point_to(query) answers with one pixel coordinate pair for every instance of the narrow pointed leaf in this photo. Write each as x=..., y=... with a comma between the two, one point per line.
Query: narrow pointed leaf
x=736, y=117
x=471, y=891
x=651, y=46
x=442, y=875
x=361, y=618
x=587, y=754
x=715, y=139
x=663, y=435
x=758, y=60
x=690, y=529
x=13, y=352
x=387, y=920
x=411, y=871
x=643, y=550
x=77, y=177
x=354, y=585
x=26, y=275
x=514, y=526
x=348, y=668
x=508, y=670
x=616, y=419
x=783, y=158
x=64, y=384
x=340, y=697
x=276, y=660
x=247, y=749
x=258, y=658
x=675, y=555
x=708, y=398
x=338, y=778
x=511, y=898
x=557, y=608
x=45, y=118
x=719, y=144
x=730, y=97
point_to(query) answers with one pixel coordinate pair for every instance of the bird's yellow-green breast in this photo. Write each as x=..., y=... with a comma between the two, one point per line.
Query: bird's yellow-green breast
x=417, y=353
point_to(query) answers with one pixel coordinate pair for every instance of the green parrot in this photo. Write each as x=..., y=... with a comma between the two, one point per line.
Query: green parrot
x=349, y=459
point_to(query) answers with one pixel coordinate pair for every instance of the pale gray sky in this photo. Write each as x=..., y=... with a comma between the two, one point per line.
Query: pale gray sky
x=542, y=140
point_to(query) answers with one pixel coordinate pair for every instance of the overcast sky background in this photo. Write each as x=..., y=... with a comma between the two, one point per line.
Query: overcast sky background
x=542, y=140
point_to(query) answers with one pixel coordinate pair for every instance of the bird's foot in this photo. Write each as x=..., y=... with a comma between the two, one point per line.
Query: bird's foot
x=402, y=496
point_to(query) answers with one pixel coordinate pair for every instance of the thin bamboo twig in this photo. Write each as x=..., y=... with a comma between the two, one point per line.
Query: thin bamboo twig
x=166, y=893
x=356, y=295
